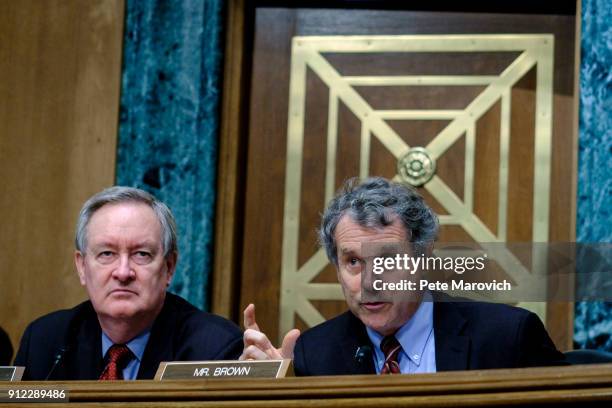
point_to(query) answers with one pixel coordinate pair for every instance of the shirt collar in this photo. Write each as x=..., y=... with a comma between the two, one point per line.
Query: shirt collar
x=136, y=345
x=414, y=334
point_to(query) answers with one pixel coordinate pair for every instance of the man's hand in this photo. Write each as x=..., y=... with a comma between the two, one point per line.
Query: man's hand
x=256, y=344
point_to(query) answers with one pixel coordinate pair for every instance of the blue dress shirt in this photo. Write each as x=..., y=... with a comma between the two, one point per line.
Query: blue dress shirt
x=416, y=336
x=137, y=347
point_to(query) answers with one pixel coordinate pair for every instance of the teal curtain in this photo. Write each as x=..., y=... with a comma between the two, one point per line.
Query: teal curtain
x=593, y=321
x=169, y=122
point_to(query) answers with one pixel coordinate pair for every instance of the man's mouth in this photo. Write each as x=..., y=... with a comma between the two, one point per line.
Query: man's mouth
x=124, y=292
x=373, y=306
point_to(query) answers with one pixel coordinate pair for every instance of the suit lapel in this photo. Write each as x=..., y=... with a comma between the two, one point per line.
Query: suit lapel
x=452, y=344
x=356, y=337
x=160, y=345
x=85, y=352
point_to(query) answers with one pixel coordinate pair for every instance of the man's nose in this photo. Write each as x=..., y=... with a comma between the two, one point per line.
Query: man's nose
x=367, y=275
x=124, y=271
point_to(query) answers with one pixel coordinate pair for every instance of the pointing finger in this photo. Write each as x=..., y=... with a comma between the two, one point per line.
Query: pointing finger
x=249, y=318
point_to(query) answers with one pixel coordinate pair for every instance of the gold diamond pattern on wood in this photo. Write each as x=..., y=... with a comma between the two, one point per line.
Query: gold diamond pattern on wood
x=297, y=288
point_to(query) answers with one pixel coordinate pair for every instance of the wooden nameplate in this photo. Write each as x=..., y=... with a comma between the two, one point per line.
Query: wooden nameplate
x=193, y=370
x=11, y=373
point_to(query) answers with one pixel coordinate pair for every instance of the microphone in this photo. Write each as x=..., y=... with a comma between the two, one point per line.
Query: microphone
x=58, y=358
x=362, y=353
x=69, y=339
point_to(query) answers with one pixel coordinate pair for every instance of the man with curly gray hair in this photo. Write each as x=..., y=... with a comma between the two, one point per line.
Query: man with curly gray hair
x=427, y=333
x=370, y=213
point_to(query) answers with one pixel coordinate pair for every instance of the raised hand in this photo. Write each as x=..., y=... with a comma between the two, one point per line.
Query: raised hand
x=257, y=346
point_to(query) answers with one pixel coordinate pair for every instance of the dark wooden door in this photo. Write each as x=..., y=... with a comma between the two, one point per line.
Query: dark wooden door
x=337, y=93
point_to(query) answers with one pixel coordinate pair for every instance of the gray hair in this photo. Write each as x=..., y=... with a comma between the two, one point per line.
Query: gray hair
x=375, y=203
x=119, y=194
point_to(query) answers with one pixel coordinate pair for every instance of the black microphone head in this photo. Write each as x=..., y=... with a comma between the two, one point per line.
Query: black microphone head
x=362, y=353
x=60, y=353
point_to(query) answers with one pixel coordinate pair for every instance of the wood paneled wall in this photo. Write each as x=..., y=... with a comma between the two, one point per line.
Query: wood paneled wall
x=60, y=69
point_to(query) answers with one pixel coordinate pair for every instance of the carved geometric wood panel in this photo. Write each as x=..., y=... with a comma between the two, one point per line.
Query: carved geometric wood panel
x=318, y=56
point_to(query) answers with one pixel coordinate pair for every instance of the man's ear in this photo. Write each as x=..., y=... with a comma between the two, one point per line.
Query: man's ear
x=171, y=261
x=79, y=261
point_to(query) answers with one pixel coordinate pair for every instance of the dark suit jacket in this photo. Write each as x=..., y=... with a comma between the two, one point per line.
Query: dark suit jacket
x=468, y=336
x=180, y=332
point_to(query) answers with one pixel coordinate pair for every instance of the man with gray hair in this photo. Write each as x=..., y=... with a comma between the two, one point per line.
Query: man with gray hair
x=126, y=255
x=422, y=333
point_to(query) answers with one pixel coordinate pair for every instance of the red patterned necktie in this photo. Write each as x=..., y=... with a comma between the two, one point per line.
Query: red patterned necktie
x=118, y=357
x=391, y=348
